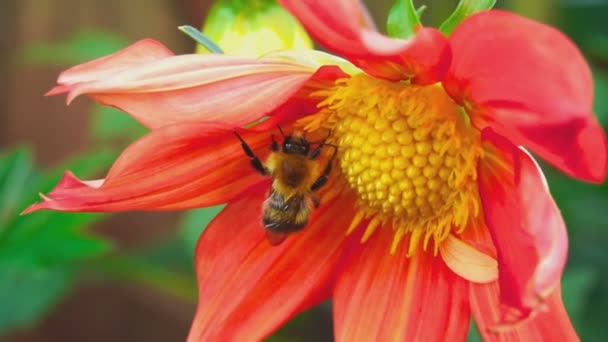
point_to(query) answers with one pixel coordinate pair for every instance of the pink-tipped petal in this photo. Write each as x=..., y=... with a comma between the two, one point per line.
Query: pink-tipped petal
x=530, y=83
x=143, y=51
x=345, y=27
x=551, y=323
x=247, y=287
x=206, y=87
x=186, y=165
x=381, y=296
x=526, y=227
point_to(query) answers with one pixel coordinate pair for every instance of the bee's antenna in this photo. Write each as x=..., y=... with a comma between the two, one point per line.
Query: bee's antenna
x=281, y=130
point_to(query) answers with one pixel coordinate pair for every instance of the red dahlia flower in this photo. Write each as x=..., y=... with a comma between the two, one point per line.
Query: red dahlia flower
x=433, y=210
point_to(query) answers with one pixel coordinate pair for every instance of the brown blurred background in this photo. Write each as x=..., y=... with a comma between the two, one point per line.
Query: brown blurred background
x=99, y=311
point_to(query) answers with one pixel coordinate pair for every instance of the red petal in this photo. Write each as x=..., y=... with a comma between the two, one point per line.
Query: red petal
x=525, y=224
x=550, y=324
x=346, y=27
x=186, y=165
x=247, y=288
x=577, y=147
x=206, y=87
x=384, y=297
x=530, y=83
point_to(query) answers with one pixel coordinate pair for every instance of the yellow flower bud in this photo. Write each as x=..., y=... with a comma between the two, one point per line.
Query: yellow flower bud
x=253, y=27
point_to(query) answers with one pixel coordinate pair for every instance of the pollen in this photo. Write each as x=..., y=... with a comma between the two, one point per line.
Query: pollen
x=408, y=152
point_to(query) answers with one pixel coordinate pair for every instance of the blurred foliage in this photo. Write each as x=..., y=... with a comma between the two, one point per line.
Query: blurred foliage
x=81, y=46
x=39, y=254
x=585, y=206
x=464, y=9
x=109, y=124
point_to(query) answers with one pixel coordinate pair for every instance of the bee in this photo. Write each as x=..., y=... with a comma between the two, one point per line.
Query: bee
x=296, y=176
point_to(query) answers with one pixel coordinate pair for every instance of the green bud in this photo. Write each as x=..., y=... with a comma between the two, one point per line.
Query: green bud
x=253, y=28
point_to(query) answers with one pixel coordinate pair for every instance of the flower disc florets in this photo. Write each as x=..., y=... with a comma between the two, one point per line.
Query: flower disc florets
x=408, y=152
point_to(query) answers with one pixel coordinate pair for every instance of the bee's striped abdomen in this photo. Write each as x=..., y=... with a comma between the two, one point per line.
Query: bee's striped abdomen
x=286, y=215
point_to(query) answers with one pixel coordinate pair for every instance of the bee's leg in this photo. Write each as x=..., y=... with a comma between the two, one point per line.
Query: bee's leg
x=255, y=161
x=317, y=151
x=315, y=200
x=323, y=178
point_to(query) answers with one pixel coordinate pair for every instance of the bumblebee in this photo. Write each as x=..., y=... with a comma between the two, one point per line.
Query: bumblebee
x=296, y=177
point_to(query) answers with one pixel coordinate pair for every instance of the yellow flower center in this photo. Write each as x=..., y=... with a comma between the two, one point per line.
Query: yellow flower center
x=408, y=152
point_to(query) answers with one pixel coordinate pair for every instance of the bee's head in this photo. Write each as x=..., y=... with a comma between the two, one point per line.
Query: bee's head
x=296, y=144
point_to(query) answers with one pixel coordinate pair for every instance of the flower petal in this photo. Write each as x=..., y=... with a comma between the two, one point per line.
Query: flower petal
x=346, y=27
x=204, y=87
x=531, y=84
x=247, y=288
x=389, y=297
x=143, y=51
x=525, y=224
x=186, y=165
x=549, y=324
x=316, y=59
x=467, y=261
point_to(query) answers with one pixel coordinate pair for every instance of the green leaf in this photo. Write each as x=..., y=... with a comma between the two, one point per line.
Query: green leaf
x=464, y=9
x=39, y=251
x=200, y=38
x=111, y=123
x=78, y=48
x=402, y=19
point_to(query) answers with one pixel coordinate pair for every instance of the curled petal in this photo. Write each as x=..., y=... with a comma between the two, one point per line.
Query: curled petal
x=526, y=226
x=551, y=323
x=145, y=50
x=467, y=261
x=247, y=288
x=204, y=87
x=346, y=27
x=389, y=297
x=186, y=165
x=531, y=84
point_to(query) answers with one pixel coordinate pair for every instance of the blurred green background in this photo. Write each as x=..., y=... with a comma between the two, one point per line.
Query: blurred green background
x=129, y=277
